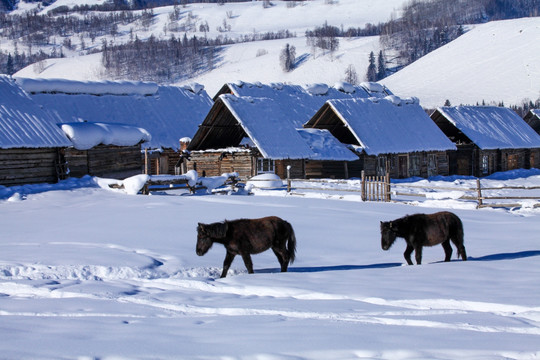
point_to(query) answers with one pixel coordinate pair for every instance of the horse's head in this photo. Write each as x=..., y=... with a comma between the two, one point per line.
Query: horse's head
x=388, y=234
x=207, y=234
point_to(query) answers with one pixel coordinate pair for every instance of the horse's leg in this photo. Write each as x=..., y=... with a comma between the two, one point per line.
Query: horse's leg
x=461, y=248
x=418, y=254
x=227, y=263
x=447, y=250
x=407, y=254
x=282, y=258
x=248, y=262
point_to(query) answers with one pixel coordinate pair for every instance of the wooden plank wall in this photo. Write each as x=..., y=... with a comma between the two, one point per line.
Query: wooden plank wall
x=214, y=164
x=28, y=165
x=106, y=161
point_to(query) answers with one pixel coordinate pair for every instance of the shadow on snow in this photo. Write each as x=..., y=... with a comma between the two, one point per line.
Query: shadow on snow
x=312, y=269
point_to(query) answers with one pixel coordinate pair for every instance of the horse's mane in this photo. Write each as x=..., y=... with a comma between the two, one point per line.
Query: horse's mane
x=215, y=230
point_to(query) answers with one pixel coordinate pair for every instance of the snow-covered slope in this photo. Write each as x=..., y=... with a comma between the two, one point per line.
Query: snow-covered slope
x=494, y=62
x=253, y=61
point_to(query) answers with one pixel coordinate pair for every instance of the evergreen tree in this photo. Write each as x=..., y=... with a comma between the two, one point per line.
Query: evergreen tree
x=287, y=58
x=381, y=66
x=9, y=65
x=371, y=74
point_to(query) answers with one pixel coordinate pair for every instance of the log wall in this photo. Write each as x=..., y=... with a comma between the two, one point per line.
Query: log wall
x=29, y=165
x=217, y=163
x=105, y=161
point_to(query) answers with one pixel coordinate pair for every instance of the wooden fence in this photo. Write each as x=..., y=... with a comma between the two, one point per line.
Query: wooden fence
x=379, y=188
x=477, y=194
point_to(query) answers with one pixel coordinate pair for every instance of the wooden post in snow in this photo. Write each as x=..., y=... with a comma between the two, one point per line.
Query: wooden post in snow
x=479, y=190
x=288, y=178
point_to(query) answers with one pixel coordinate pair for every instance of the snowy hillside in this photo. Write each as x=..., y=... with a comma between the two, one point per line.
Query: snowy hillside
x=495, y=62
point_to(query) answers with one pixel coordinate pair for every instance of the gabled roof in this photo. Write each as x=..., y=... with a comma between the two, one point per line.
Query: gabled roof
x=381, y=126
x=23, y=124
x=302, y=102
x=168, y=113
x=533, y=119
x=490, y=127
x=266, y=123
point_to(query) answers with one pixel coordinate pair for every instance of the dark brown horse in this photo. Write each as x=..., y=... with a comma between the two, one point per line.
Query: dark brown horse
x=249, y=236
x=425, y=230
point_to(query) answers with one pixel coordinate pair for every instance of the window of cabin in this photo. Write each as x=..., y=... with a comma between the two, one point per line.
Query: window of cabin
x=513, y=161
x=381, y=165
x=484, y=167
x=415, y=165
x=265, y=166
x=432, y=165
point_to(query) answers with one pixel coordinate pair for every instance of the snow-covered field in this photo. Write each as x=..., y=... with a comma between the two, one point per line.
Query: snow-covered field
x=88, y=272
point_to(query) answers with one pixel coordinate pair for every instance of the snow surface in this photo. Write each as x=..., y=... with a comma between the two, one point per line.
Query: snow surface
x=386, y=126
x=87, y=87
x=89, y=272
x=85, y=135
x=23, y=123
x=491, y=127
x=494, y=62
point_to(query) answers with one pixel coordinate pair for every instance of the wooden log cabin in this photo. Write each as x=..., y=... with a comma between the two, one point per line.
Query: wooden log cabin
x=168, y=113
x=31, y=145
x=392, y=135
x=251, y=136
x=488, y=139
x=104, y=150
x=533, y=119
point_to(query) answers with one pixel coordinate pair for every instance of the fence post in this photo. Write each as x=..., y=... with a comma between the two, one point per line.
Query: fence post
x=146, y=161
x=480, y=201
x=363, y=186
x=288, y=178
x=388, y=189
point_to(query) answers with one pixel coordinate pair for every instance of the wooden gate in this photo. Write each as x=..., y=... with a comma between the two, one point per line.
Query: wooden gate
x=376, y=188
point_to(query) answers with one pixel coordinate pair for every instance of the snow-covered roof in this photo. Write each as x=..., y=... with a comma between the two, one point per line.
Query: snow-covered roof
x=23, y=124
x=382, y=126
x=325, y=146
x=267, y=123
x=492, y=127
x=87, y=87
x=168, y=113
x=85, y=135
x=300, y=103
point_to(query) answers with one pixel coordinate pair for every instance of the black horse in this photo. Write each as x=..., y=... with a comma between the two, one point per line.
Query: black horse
x=249, y=236
x=425, y=230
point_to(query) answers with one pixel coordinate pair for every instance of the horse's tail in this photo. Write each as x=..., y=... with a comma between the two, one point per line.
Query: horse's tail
x=291, y=243
x=459, y=238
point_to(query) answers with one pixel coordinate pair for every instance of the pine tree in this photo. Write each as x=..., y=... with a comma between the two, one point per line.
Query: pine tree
x=381, y=66
x=371, y=74
x=287, y=58
x=9, y=66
